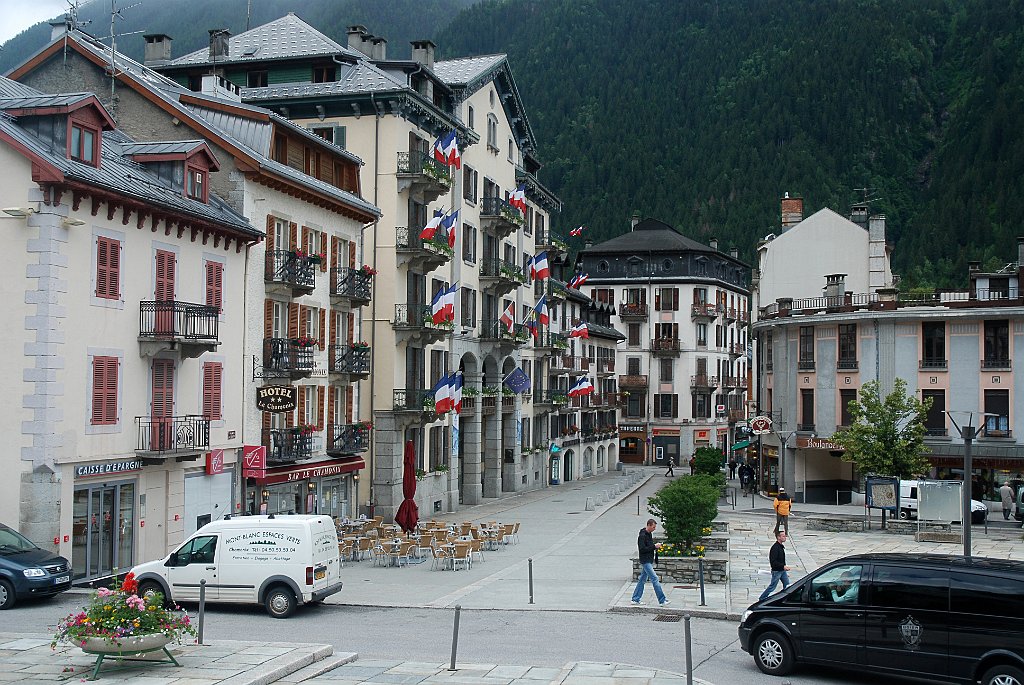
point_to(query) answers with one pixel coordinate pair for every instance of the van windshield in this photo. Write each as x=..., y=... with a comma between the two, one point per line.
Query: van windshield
x=13, y=542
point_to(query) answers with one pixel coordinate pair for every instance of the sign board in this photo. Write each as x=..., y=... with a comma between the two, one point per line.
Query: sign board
x=632, y=428
x=214, y=462
x=818, y=444
x=760, y=425
x=108, y=468
x=277, y=398
x=882, y=493
x=720, y=408
x=254, y=461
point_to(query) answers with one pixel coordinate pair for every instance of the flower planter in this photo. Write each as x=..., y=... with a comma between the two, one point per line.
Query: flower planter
x=686, y=569
x=130, y=645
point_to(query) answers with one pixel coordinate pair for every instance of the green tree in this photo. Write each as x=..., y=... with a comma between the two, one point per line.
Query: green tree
x=685, y=507
x=709, y=461
x=886, y=435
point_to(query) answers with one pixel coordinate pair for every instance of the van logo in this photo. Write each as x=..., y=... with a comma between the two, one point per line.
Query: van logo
x=911, y=632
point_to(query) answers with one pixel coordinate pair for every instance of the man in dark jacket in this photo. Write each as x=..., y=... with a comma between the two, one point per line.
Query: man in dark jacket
x=645, y=547
x=777, y=559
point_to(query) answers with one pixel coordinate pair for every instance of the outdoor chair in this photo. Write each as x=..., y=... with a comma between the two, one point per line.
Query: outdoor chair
x=441, y=557
x=476, y=548
x=364, y=548
x=515, y=532
x=506, y=533
x=461, y=556
x=399, y=552
x=465, y=528
x=493, y=537
x=380, y=555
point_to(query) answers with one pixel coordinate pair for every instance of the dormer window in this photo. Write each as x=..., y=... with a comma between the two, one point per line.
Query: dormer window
x=195, y=183
x=84, y=143
x=324, y=75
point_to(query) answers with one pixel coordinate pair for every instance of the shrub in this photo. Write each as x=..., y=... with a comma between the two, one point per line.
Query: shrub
x=686, y=507
x=708, y=460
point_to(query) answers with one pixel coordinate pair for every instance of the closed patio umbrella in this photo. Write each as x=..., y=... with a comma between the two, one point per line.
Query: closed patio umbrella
x=408, y=514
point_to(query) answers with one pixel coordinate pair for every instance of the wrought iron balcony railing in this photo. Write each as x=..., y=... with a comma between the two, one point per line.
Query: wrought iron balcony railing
x=350, y=438
x=496, y=268
x=702, y=381
x=181, y=321
x=348, y=358
x=290, y=355
x=413, y=400
x=420, y=164
x=285, y=445
x=497, y=330
x=355, y=284
x=632, y=310
x=287, y=267
x=703, y=310
x=633, y=381
x=551, y=341
x=499, y=216
x=169, y=435
x=666, y=347
x=549, y=240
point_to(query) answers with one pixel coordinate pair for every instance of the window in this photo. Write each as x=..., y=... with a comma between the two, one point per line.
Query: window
x=438, y=447
x=108, y=268
x=909, y=588
x=104, y=391
x=702, y=334
x=469, y=243
x=324, y=75
x=983, y=595
x=997, y=344
x=847, y=347
x=307, y=161
x=84, y=144
x=256, y=79
x=838, y=585
x=805, y=361
x=511, y=146
x=769, y=362
x=806, y=410
x=701, y=406
x=215, y=285
x=470, y=179
x=602, y=266
x=196, y=183
x=935, y=421
x=634, y=335
x=845, y=397
x=468, y=307
x=603, y=295
x=634, y=406
x=933, y=345
x=200, y=550
x=997, y=403
x=470, y=118
x=666, y=406
x=633, y=366
x=212, y=375
x=492, y=133
x=280, y=148
x=666, y=299
x=666, y=370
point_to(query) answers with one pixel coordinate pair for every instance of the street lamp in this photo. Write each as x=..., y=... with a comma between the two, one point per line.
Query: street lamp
x=967, y=432
x=783, y=437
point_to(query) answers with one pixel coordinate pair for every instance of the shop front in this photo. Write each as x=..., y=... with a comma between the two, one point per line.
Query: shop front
x=768, y=473
x=104, y=517
x=326, y=487
x=633, y=443
x=209, y=492
x=822, y=477
x=666, y=445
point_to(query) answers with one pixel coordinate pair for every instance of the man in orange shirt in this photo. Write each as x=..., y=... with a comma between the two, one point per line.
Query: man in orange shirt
x=782, y=505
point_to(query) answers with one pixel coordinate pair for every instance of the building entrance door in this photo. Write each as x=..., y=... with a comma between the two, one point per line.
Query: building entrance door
x=104, y=526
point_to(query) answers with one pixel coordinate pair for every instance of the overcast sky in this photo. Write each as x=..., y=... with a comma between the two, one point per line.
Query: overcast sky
x=18, y=15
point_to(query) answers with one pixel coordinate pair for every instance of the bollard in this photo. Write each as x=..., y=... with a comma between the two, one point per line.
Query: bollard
x=689, y=653
x=202, y=608
x=638, y=505
x=531, y=581
x=589, y=506
x=700, y=575
x=455, y=635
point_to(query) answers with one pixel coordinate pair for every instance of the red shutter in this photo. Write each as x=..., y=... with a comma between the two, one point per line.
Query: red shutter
x=320, y=407
x=164, y=292
x=322, y=243
x=323, y=328
x=293, y=234
x=268, y=319
x=351, y=328
x=657, y=300
x=675, y=299
x=271, y=222
x=212, y=375
x=349, y=409
x=307, y=239
x=293, y=320
x=300, y=406
x=333, y=337
x=330, y=404
x=104, y=391
x=108, y=268
x=335, y=250
x=162, y=408
x=215, y=285
x=352, y=255
x=266, y=420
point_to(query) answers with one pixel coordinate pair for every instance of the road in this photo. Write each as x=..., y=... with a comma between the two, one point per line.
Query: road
x=541, y=638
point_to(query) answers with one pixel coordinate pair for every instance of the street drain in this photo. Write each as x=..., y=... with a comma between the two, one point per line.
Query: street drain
x=668, y=618
x=574, y=512
x=684, y=587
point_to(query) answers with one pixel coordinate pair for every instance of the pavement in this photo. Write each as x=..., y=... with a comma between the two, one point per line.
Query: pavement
x=575, y=544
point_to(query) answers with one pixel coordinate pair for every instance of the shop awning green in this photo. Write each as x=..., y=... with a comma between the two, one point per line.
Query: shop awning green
x=741, y=444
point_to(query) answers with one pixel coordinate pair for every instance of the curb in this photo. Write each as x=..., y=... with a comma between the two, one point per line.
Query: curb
x=695, y=612
x=282, y=666
x=319, y=668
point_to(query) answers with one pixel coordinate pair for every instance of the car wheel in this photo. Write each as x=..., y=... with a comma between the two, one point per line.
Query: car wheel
x=1003, y=675
x=280, y=602
x=7, y=597
x=148, y=588
x=772, y=654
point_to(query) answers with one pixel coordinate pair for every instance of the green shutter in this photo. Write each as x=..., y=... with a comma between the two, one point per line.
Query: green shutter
x=300, y=74
x=339, y=136
x=239, y=78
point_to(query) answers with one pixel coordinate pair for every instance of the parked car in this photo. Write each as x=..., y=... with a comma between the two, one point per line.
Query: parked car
x=1018, y=512
x=278, y=561
x=27, y=570
x=939, y=618
x=908, y=503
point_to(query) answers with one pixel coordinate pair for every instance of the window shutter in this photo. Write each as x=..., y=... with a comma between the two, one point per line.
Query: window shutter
x=333, y=338
x=350, y=412
x=330, y=405
x=212, y=375
x=322, y=330
x=102, y=266
x=351, y=327
x=675, y=299
x=104, y=390
x=266, y=420
x=339, y=136
x=214, y=285
x=307, y=239
x=293, y=235
x=268, y=318
x=321, y=244
x=675, y=406
x=335, y=251
x=320, y=407
x=300, y=406
x=293, y=320
x=271, y=223
x=352, y=255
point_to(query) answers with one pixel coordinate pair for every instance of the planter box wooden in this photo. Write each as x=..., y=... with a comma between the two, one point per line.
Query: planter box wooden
x=684, y=569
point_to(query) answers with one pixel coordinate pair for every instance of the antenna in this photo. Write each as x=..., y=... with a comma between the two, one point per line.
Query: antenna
x=248, y=14
x=868, y=195
x=115, y=13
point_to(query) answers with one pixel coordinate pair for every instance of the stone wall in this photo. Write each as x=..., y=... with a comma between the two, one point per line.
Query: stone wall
x=716, y=542
x=685, y=569
x=835, y=525
x=892, y=526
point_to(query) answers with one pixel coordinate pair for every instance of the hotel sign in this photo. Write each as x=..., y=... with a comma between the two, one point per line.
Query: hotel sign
x=277, y=398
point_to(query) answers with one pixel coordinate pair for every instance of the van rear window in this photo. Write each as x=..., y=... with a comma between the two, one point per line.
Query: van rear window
x=987, y=595
x=909, y=588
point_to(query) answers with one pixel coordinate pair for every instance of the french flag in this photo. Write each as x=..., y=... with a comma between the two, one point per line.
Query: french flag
x=582, y=387
x=437, y=305
x=448, y=305
x=531, y=325
x=442, y=396
x=539, y=267
x=455, y=382
x=542, y=310
x=518, y=198
x=508, y=317
x=448, y=226
x=577, y=232
x=578, y=280
x=580, y=330
x=446, y=150
x=430, y=229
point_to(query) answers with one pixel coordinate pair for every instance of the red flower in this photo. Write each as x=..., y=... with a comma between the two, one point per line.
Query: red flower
x=130, y=585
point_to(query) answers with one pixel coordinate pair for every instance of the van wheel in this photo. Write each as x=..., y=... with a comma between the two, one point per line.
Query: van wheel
x=280, y=602
x=1003, y=675
x=7, y=597
x=904, y=514
x=772, y=654
x=148, y=588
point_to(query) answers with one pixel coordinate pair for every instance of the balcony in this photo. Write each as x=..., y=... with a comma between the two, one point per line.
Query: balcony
x=552, y=397
x=422, y=254
x=633, y=311
x=729, y=314
x=933, y=364
x=423, y=176
x=287, y=356
x=701, y=382
x=703, y=311
x=633, y=381
x=554, y=289
x=350, y=359
x=805, y=427
x=500, y=277
x=159, y=437
x=290, y=273
x=567, y=363
x=551, y=242
x=805, y=365
x=742, y=382
x=995, y=364
x=736, y=350
x=469, y=405
x=508, y=403
x=846, y=365
x=499, y=217
x=415, y=323
x=665, y=347
x=353, y=285
x=496, y=332
x=286, y=445
x=933, y=432
x=413, y=400
x=167, y=325
x=744, y=317
x=489, y=404
x=347, y=439
x=728, y=382
x=605, y=366
x=736, y=415
x=550, y=342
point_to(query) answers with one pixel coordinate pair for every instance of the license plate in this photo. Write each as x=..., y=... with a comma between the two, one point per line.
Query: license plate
x=320, y=574
x=62, y=579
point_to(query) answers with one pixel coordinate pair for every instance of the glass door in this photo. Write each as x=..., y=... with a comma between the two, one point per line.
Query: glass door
x=103, y=528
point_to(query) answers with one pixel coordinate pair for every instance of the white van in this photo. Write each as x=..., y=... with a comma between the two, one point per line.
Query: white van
x=278, y=561
x=908, y=503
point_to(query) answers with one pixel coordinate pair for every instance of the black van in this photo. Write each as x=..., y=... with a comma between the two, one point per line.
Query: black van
x=28, y=571
x=939, y=618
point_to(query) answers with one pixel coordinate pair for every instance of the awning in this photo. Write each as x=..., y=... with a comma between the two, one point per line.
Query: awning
x=334, y=467
x=740, y=445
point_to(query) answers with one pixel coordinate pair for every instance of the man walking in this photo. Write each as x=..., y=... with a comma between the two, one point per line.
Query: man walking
x=645, y=546
x=746, y=477
x=777, y=560
x=670, y=473
x=732, y=468
x=782, y=505
x=1006, y=495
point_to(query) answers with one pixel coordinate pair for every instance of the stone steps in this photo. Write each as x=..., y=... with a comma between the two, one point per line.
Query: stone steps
x=318, y=668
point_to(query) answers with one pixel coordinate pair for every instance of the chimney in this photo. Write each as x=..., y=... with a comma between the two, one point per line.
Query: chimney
x=359, y=39
x=219, y=43
x=217, y=86
x=713, y=244
x=878, y=263
x=792, y=210
x=634, y=220
x=379, y=48
x=587, y=244
x=973, y=266
x=835, y=289
x=158, y=49
x=423, y=53
x=734, y=252
x=58, y=27
x=859, y=215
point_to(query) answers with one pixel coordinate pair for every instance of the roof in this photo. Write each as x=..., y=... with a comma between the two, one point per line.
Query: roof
x=465, y=70
x=604, y=331
x=650, y=235
x=170, y=147
x=13, y=89
x=286, y=38
x=26, y=101
x=360, y=77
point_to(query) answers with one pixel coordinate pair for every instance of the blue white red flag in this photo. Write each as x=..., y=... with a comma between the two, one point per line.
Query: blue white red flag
x=578, y=280
x=446, y=150
x=448, y=227
x=437, y=305
x=455, y=382
x=430, y=229
x=542, y=310
x=508, y=317
x=517, y=198
x=580, y=330
x=531, y=324
x=577, y=232
x=539, y=267
x=582, y=387
x=442, y=396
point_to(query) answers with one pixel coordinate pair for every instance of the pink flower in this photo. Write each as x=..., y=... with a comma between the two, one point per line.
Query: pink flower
x=104, y=592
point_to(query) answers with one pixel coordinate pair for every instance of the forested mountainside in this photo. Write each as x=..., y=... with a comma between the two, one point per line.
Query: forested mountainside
x=701, y=113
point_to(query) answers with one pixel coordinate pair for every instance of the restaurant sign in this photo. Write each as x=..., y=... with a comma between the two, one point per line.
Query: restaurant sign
x=108, y=468
x=276, y=398
x=818, y=444
x=632, y=428
x=293, y=474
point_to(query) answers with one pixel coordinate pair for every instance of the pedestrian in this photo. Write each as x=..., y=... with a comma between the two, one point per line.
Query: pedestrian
x=777, y=560
x=645, y=547
x=693, y=460
x=746, y=475
x=783, y=504
x=1006, y=494
x=732, y=468
x=670, y=473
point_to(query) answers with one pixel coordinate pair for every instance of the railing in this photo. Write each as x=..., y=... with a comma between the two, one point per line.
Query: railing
x=285, y=354
x=420, y=163
x=632, y=310
x=553, y=396
x=349, y=438
x=348, y=359
x=805, y=427
x=606, y=365
x=180, y=320
x=488, y=404
x=933, y=363
x=744, y=316
x=501, y=209
x=633, y=381
x=547, y=340
x=805, y=365
x=936, y=432
x=666, y=345
x=418, y=316
x=286, y=267
x=285, y=445
x=172, y=434
x=994, y=363
x=494, y=267
x=847, y=365
x=408, y=239
x=742, y=382
x=548, y=239
x=701, y=381
x=552, y=287
x=413, y=399
x=351, y=283
x=703, y=309
x=497, y=330
x=736, y=415
x=730, y=314
x=728, y=381
x=737, y=350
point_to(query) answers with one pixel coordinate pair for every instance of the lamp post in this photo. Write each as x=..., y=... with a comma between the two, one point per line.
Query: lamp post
x=968, y=433
x=783, y=437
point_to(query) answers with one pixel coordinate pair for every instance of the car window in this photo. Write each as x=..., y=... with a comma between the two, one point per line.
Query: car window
x=11, y=541
x=838, y=585
x=984, y=595
x=910, y=588
x=201, y=550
